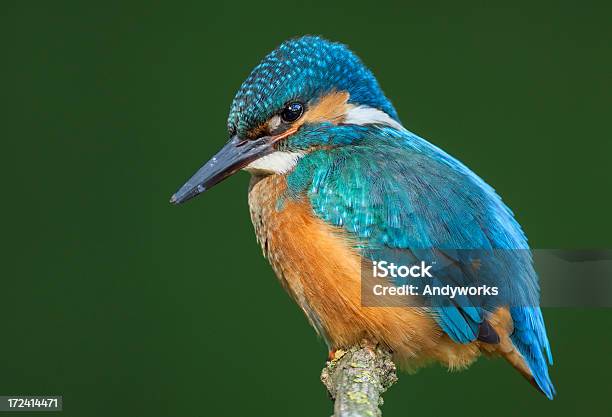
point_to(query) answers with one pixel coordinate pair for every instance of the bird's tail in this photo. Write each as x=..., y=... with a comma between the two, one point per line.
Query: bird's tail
x=531, y=354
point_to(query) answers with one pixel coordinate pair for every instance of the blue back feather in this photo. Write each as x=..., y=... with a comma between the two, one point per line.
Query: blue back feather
x=392, y=189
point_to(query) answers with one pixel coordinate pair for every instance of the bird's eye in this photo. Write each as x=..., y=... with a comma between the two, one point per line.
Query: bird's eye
x=292, y=112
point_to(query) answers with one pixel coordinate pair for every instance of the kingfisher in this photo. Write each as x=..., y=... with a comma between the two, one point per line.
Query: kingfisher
x=336, y=178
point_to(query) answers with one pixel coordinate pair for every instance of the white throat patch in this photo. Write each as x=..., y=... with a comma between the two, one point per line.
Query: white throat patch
x=278, y=162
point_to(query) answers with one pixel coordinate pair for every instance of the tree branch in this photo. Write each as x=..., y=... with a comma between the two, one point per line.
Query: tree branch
x=357, y=378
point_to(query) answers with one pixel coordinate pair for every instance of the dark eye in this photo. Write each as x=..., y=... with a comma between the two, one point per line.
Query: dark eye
x=292, y=112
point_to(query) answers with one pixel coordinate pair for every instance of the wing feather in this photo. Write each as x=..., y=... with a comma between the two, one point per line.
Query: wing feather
x=394, y=190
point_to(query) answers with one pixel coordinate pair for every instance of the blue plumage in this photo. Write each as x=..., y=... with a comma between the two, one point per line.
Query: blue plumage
x=345, y=152
x=530, y=339
x=303, y=67
x=421, y=198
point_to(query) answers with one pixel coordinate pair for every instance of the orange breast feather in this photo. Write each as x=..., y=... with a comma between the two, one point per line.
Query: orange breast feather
x=320, y=268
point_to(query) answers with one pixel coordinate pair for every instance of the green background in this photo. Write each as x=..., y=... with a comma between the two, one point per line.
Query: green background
x=129, y=306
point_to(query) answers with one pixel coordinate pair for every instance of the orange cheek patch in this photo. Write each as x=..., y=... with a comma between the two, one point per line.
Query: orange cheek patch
x=330, y=108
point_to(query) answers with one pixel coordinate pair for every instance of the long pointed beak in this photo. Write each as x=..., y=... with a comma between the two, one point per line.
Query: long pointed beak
x=236, y=154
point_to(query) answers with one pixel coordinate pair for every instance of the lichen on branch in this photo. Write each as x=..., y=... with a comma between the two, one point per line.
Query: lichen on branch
x=357, y=378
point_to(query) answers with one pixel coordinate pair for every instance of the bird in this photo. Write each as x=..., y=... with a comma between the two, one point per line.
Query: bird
x=336, y=178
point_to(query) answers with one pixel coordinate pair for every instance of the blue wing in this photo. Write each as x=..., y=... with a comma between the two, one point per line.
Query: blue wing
x=395, y=190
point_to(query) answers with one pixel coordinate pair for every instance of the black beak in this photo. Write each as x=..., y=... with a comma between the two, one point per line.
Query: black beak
x=236, y=154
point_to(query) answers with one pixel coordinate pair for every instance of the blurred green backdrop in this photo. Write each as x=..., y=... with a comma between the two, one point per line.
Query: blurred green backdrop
x=128, y=306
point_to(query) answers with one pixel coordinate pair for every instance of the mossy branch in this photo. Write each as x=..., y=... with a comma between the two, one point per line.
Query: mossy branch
x=357, y=378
